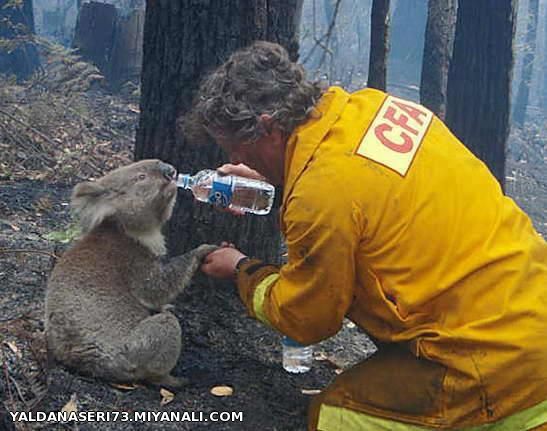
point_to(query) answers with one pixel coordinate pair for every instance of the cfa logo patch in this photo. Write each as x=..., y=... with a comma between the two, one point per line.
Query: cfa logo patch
x=395, y=134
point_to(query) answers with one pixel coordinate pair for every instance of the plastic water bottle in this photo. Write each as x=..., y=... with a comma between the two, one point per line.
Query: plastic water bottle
x=297, y=358
x=229, y=191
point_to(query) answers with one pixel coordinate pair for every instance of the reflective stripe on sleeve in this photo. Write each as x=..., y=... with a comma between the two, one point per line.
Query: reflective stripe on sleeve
x=333, y=418
x=258, y=297
x=340, y=419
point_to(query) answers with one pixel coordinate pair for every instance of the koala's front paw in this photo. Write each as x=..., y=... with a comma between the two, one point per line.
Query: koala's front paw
x=204, y=249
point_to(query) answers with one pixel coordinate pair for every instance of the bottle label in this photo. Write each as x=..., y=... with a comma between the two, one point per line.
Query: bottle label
x=221, y=192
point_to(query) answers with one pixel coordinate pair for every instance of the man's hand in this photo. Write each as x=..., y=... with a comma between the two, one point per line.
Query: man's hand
x=240, y=170
x=222, y=263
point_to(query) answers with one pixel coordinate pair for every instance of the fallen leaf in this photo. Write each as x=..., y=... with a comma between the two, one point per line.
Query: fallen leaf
x=63, y=236
x=311, y=391
x=222, y=391
x=320, y=356
x=38, y=176
x=14, y=348
x=72, y=405
x=166, y=396
x=124, y=387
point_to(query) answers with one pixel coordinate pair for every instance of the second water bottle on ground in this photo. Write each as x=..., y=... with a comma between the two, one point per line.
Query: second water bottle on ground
x=297, y=358
x=230, y=191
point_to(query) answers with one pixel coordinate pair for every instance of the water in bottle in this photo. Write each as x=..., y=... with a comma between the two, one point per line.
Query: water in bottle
x=297, y=358
x=229, y=191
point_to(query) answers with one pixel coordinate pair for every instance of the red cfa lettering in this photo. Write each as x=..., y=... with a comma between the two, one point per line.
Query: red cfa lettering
x=398, y=116
x=396, y=134
x=411, y=111
x=404, y=147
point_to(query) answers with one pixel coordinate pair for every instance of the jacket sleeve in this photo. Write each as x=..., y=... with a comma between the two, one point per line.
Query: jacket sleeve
x=308, y=298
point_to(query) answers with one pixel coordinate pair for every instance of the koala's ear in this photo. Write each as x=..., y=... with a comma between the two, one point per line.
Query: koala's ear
x=89, y=205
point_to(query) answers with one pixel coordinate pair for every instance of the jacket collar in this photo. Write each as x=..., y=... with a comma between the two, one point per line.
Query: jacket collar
x=305, y=139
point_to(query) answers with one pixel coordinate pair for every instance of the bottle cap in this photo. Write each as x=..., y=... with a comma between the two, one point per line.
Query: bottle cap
x=289, y=342
x=183, y=180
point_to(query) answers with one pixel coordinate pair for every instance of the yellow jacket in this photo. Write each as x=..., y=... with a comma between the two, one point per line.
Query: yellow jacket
x=390, y=221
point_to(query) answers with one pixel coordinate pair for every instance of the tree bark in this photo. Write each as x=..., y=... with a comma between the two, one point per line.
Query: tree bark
x=521, y=102
x=94, y=34
x=184, y=39
x=18, y=54
x=479, y=79
x=126, y=58
x=438, y=45
x=379, y=44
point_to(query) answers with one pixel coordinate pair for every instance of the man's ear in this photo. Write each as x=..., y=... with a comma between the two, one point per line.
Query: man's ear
x=266, y=123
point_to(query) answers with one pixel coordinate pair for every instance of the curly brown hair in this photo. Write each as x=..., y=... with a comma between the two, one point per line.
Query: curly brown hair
x=259, y=79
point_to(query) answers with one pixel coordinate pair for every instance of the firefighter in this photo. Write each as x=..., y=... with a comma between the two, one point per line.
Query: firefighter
x=391, y=222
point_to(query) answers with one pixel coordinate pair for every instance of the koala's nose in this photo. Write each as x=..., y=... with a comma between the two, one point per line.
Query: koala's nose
x=167, y=170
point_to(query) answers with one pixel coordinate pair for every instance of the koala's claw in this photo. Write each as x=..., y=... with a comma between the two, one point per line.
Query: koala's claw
x=204, y=249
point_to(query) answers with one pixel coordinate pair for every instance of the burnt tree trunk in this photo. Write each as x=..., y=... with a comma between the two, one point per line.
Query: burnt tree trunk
x=438, y=44
x=94, y=34
x=126, y=58
x=18, y=53
x=379, y=44
x=479, y=79
x=182, y=41
x=521, y=102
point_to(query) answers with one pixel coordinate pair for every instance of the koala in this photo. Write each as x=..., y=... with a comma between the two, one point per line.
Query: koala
x=108, y=297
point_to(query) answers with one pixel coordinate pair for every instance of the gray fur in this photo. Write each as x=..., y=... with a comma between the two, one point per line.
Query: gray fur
x=108, y=297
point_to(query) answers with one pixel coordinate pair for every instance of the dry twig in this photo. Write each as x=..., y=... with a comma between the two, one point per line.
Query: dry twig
x=23, y=250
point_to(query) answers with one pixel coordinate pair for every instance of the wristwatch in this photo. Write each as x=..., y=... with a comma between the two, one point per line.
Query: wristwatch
x=239, y=263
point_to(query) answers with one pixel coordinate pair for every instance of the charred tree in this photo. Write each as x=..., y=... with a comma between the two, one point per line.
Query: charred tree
x=521, y=102
x=182, y=41
x=18, y=53
x=126, y=57
x=438, y=44
x=94, y=34
x=379, y=44
x=479, y=79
